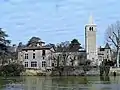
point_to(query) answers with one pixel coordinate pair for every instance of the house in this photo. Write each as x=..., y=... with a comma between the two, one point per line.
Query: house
x=37, y=56
x=104, y=53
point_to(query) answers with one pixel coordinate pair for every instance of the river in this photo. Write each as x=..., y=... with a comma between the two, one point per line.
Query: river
x=60, y=83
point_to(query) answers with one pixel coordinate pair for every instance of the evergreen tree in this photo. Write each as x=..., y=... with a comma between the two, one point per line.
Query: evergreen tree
x=4, y=43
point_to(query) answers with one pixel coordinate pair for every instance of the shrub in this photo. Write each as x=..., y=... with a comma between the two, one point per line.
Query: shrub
x=11, y=70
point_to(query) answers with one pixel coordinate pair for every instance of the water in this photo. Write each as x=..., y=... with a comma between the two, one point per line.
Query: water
x=60, y=83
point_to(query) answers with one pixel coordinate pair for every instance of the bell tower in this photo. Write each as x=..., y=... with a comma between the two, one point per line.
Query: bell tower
x=90, y=41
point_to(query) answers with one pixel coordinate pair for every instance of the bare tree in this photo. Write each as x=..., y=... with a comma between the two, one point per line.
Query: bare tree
x=113, y=35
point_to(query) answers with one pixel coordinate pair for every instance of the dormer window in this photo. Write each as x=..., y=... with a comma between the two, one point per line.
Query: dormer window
x=33, y=50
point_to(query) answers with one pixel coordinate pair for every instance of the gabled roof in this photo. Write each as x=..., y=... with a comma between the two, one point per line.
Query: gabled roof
x=37, y=48
x=102, y=49
x=107, y=46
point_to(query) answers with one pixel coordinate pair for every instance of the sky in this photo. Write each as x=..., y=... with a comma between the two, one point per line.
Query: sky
x=55, y=21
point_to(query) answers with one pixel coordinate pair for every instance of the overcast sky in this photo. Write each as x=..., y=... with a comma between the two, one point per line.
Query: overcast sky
x=56, y=20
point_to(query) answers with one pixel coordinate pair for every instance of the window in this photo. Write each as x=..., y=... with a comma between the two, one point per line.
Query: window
x=107, y=51
x=34, y=64
x=33, y=55
x=43, y=52
x=107, y=56
x=26, y=56
x=53, y=65
x=43, y=57
x=91, y=28
x=43, y=63
x=26, y=64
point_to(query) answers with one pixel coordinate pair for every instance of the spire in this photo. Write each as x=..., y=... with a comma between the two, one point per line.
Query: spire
x=91, y=19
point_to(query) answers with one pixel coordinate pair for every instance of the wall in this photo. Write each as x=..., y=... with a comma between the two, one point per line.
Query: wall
x=38, y=58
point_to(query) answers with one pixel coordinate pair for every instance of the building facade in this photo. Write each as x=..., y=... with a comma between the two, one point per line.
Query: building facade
x=104, y=53
x=90, y=41
x=36, y=57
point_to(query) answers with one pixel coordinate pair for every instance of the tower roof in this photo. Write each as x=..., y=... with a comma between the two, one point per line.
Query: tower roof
x=91, y=19
x=107, y=46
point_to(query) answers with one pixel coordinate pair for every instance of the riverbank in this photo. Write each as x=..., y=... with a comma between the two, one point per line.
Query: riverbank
x=76, y=72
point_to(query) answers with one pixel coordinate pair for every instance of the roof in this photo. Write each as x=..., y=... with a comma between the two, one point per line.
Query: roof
x=107, y=46
x=91, y=20
x=37, y=48
x=102, y=49
x=100, y=54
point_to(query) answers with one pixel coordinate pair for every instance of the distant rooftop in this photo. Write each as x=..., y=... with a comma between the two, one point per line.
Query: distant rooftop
x=37, y=48
x=107, y=46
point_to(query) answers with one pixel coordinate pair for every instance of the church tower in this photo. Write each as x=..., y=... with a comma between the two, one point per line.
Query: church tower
x=90, y=41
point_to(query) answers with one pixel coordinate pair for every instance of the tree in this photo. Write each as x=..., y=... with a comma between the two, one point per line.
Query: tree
x=20, y=44
x=3, y=46
x=63, y=46
x=73, y=58
x=13, y=69
x=33, y=41
x=20, y=47
x=105, y=67
x=113, y=34
x=68, y=49
x=74, y=45
x=74, y=48
x=51, y=45
x=86, y=66
x=63, y=49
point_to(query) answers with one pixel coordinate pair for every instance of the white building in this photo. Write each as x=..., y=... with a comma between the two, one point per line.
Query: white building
x=104, y=53
x=90, y=41
x=36, y=57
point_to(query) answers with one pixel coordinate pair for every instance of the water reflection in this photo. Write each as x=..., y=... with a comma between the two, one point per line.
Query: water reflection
x=58, y=83
x=105, y=79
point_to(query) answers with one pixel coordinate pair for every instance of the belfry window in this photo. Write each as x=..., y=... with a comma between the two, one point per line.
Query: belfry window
x=91, y=28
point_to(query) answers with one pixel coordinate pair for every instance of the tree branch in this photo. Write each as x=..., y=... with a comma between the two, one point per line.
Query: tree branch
x=117, y=39
x=113, y=41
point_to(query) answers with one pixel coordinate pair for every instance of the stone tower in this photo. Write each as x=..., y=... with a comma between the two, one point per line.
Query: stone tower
x=90, y=41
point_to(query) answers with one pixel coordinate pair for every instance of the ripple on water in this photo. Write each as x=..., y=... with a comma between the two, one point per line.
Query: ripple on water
x=69, y=83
